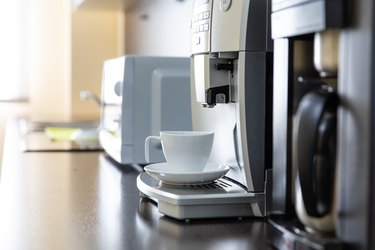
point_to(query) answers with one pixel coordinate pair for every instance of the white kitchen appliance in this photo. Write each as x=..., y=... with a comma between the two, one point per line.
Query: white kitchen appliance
x=142, y=95
x=231, y=83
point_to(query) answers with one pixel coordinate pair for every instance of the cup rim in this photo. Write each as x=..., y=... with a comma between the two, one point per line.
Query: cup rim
x=187, y=133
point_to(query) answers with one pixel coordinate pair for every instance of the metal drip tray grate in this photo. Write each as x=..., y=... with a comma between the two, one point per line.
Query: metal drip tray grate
x=218, y=184
x=222, y=198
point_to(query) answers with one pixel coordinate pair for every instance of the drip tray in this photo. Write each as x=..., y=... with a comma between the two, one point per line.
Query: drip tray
x=222, y=198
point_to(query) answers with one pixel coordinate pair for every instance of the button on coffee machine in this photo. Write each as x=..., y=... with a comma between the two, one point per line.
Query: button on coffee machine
x=231, y=89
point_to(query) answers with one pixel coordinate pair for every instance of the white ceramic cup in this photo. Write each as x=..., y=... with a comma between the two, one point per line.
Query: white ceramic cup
x=185, y=151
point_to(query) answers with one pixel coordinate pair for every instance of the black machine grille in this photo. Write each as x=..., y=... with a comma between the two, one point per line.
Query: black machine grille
x=218, y=184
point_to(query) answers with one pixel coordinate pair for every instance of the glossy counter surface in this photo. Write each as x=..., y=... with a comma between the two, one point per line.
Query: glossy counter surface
x=82, y=200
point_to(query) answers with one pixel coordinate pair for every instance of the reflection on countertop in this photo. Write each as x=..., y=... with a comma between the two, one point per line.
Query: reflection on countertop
x=169, y=233
x=36, y=136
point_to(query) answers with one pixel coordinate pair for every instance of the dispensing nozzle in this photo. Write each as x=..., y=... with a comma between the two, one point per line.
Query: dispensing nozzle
x=216, y=95
x=213, y=77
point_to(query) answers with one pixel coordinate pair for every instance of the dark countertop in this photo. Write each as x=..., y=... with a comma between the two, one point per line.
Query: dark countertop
x=82, y=200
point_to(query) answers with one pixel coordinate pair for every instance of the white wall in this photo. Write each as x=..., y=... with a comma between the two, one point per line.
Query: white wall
x=49, y=82
x=48, y=40
x=97, y=35
x=159, y=27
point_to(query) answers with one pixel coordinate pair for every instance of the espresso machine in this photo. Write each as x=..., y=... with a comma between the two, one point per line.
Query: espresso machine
x=323, y=131
x=231, y=90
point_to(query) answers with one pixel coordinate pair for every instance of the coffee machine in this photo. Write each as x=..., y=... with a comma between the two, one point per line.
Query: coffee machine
x=323, y=125
x=231, y=90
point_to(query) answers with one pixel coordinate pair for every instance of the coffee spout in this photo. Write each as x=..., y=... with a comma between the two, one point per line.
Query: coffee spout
x=216, y=95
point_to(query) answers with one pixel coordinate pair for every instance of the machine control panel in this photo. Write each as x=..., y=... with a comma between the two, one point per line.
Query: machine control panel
x=201, y=26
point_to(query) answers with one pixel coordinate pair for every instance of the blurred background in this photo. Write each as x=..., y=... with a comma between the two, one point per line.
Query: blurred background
x=52, y=50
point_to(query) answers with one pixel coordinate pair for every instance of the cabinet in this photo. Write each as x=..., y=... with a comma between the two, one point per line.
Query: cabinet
x=103, y=4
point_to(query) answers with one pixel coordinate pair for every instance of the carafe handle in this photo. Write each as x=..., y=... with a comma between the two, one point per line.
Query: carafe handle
x=315, y=151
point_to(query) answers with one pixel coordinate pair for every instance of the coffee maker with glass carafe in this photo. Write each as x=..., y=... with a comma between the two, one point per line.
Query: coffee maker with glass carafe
x=231, y=87
x=323, y=122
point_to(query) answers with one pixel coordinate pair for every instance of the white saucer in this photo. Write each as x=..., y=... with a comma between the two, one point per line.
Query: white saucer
x=163, y=172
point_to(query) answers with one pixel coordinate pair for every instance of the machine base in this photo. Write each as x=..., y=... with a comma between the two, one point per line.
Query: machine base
x=222, y=198
x=290, y=234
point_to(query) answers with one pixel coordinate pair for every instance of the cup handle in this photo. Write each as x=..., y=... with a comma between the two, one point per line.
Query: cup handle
x=147, y=146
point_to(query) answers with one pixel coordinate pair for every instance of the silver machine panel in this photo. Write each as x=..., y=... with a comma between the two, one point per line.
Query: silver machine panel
x=297, y=23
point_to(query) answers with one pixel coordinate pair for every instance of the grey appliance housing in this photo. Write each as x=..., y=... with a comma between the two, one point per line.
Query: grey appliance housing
x=142, y=96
